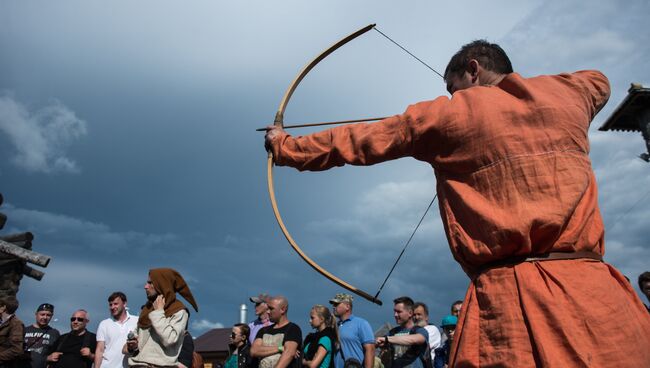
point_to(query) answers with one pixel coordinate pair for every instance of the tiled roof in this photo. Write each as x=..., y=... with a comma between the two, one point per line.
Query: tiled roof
x=214, y=340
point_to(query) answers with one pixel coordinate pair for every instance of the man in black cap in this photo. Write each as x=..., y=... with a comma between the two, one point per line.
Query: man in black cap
x=262, y=313
x=39, y=337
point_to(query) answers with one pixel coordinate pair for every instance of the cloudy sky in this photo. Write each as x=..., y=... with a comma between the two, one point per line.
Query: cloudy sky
x=127, y=131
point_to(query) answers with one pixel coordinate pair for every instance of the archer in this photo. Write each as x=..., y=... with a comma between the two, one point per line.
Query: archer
x=518, y=200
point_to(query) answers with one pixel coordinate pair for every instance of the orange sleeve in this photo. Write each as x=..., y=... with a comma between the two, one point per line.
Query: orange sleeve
x=594, y=87
x=359, y=144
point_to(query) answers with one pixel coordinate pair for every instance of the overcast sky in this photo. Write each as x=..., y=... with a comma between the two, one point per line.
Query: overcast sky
x=127, y=131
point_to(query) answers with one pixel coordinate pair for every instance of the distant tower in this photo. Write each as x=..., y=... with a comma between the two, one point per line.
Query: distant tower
x=242, y=313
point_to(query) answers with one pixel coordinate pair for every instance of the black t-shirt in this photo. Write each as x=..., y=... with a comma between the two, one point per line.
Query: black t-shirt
x=272, y=336
x=187, y=349
x=70, y=345
x=38, y=342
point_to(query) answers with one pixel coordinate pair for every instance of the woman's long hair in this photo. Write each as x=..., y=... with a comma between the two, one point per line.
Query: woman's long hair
x=324, y=313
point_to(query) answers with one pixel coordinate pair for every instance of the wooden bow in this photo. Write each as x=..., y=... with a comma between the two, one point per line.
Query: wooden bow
x=279, y=120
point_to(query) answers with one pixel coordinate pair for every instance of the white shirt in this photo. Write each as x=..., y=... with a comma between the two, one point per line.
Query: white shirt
x=434, y=339
x=113, y=334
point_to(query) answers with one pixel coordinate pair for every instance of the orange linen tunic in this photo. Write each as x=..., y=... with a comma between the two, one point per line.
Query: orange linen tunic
x=513, y=179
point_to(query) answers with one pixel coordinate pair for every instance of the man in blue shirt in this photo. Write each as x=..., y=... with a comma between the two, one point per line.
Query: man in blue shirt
x=406, y=345
x=357, y=342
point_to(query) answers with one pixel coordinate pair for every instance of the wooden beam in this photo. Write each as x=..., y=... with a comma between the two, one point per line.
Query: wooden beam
x=24, y=254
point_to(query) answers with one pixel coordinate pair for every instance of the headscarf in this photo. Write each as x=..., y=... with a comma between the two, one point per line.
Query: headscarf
x=167, y=283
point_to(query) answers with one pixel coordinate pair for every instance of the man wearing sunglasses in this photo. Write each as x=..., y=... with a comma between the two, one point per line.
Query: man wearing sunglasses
x=74, y=349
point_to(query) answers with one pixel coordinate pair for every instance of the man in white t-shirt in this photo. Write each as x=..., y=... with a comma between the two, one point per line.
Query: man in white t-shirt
x=112, y=333
x=421, y=318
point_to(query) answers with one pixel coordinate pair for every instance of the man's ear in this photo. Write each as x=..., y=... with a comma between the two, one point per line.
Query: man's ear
x=473, y=69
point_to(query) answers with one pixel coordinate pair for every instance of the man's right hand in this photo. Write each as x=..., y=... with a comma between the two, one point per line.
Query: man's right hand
x=132, y=344
x=54, y=357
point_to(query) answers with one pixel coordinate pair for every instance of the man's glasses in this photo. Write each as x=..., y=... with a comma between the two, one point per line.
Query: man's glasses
x=78, y=319
x=233, y=335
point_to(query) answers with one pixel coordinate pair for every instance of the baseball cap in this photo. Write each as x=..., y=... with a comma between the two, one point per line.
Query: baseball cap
x=341, y=297
x=449, y=321
x=262, y=298
x=45, y=307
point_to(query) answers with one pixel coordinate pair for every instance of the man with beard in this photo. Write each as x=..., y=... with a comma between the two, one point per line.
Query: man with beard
x=40, y=336
x=74, y=349
x=421, y=318
x=112, y=333
x=162, y=324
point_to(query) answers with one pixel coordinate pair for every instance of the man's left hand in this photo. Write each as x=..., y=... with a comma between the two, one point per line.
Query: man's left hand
x=85, y=352
x=159, y=303
x=272, y=132
x=380, y=341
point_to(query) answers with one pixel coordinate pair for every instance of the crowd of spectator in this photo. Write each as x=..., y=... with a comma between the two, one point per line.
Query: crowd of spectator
x=158, y=337
x=340, y=339
x=273, y=341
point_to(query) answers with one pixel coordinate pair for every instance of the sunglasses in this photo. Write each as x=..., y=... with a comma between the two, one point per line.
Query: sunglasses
x=78, y=319
x=233, y=335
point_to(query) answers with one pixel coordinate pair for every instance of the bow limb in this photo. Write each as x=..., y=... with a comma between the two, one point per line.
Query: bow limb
x=279, y=119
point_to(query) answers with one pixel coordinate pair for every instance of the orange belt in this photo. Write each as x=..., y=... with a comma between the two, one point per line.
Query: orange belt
x=550, y=256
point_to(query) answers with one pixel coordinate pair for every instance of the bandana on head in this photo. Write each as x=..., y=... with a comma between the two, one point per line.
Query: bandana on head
x=167, y=283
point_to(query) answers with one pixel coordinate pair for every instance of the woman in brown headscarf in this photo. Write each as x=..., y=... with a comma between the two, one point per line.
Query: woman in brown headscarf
x=162, y=322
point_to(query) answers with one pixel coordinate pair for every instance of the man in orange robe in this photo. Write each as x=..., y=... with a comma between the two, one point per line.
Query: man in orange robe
x=518, y=200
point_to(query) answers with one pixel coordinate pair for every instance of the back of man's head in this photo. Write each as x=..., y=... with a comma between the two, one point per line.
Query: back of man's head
x=490, y=55
x=10, y=302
